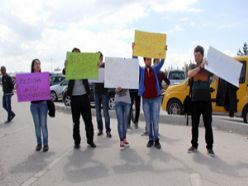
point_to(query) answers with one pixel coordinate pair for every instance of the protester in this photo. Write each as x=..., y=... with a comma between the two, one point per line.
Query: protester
x=79, y=92
x=122, y=108
x=39, y=111
x=101, y=97
x=201, y=101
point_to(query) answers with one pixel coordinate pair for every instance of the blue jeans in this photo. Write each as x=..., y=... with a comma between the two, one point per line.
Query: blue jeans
x=122, y=112
x=39, y=113
x=151, y=108
x=7, y=105
x=102, y=99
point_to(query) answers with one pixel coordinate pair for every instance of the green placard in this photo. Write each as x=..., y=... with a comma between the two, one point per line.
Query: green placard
x=82, y=65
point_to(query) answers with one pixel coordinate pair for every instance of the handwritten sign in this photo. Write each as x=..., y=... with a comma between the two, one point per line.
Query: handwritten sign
x=149, y=44
x=32, y=87
x=82, y=65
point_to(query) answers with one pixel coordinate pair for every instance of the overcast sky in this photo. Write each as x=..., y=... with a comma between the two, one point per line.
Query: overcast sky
x=47, y=29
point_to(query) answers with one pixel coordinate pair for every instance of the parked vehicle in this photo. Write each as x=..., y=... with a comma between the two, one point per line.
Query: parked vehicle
x=175, y=95
x=56, y=79
x=67, y=101
x=176, y=77
x=57, y=90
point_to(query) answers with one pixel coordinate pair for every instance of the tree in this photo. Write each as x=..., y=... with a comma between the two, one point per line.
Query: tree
x=244, y=52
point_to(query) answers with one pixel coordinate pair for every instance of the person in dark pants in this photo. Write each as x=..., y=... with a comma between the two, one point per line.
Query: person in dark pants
x=8, y=86
x=79, y=92
x=201, y=101
x=101, y=97
x=135, y=99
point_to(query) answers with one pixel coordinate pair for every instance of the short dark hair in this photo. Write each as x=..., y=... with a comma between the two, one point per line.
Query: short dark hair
x=101, y=55
x=200, y=49
x=76, y=50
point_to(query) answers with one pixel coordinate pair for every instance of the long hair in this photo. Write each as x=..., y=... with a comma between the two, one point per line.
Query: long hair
x=32, y=64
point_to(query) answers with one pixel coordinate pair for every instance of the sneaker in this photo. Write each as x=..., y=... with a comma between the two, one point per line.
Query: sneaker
x=122, y=145
x=144, y=134
x=12, y=117
x=77, y=146
x=211, y=152
x=45, y=148
x=92, y=145
x=126, y=143
x=109, y=135
x=38, y=147
x=157, y=144
x=192, y=149
x=99, y=133
x=150, y=143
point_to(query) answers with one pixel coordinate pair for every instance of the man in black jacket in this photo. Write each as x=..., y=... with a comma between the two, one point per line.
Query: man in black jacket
x=79, y=92
x=8, y=87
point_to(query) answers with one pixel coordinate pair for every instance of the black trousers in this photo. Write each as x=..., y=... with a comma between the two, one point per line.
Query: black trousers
x=134, y=98
x=204, y=108
x=80, y=105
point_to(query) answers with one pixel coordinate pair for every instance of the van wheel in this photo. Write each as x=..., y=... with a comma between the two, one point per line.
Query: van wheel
x=245, y=114
x=174, y=107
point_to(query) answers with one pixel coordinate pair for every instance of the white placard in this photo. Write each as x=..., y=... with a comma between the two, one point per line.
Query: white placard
x=100, y=76
x=223, y=66
x=121, y=72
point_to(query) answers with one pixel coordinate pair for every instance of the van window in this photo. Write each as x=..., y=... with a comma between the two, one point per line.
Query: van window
x=242, y=74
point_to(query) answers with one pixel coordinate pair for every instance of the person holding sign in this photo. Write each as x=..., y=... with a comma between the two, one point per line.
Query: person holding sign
x=150, y=91
x=101, y=97
x=8, y=87
x=79, y=92
x=122, y=108
x=39, y=111
x=201, y=101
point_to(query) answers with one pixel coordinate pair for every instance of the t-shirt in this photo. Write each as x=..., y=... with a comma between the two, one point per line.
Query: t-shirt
x=201, y=85
x=78, y=88
x=123, y=96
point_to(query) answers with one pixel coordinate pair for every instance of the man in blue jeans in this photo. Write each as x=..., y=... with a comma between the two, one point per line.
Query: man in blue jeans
x=149, y=89
x=8, y=87
x=101, y=97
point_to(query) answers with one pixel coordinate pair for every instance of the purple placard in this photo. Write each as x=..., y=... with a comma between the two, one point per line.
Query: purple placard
x=33, y=87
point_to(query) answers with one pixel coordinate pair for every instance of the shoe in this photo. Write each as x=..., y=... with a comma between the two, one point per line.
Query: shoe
x=192, y=149
x=211, y=152
x=150, y=143
x=109, y=135
x=99, y=133
x=126, y=143
x=45, y=148
x=144, y=134
x=157, y=144
x=12, y=117
x=122, y=145
x=77, y=146
x=92, y=145
x=38, y=147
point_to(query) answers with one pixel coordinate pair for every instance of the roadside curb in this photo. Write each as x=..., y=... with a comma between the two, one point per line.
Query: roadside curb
x=233, y=125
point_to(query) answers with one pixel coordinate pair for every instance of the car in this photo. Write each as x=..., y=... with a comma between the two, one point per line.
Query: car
x=56, y=79
x=176, y=95
x=176, y=77
x=67, y=100
x=57, y=90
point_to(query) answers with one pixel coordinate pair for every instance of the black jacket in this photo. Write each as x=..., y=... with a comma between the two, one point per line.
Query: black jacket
x=227, y=96
x=7, y=84
x=72, y=82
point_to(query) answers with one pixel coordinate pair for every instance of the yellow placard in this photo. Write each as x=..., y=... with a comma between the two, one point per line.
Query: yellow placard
x=147, y=44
